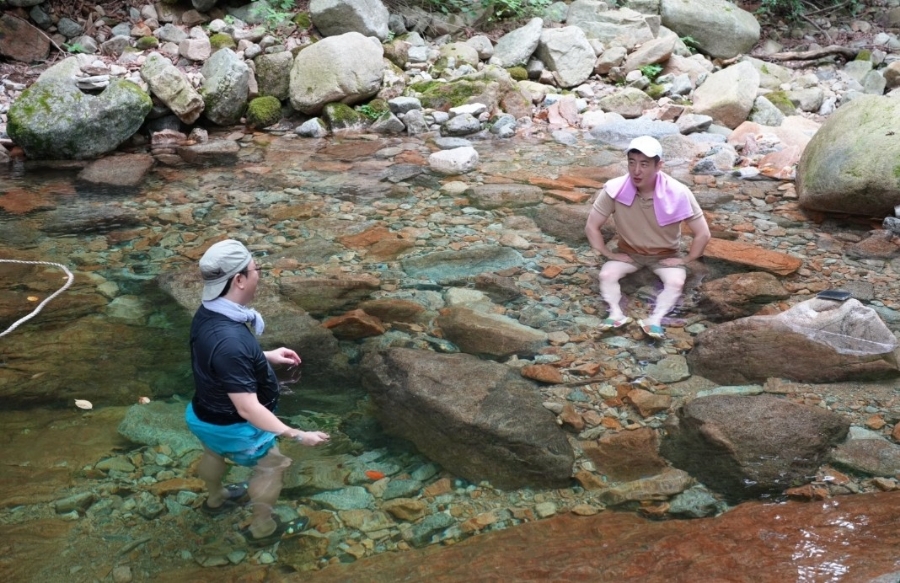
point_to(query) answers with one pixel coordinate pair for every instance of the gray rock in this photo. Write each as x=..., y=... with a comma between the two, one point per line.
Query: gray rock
x=215, y=153
x=423, y=531
x=461, y=125
x=516, y=47
x=450, y=143
x=401, y=488
x=868, y=452
x=814, y=341
x=488, y=334
x=455, y=161
x=696, y=502
x=728, y=95
x=53, y=119
x=159, y=423
x=273, y=75
x=313, y=128
x=354, y=497
x=336, y=17
x=859, y=135
x=568, y=54
x=388, y=123
x=346, y=68
x=172, y=87
x=115, y=46
x=400, y=105
x=226, y=85
x=765, y=113
x=478, y=419
x=743, y=447
x=509, y=195
x=628, y=102
x=69, y=28
x=415, y=122
x=77, y=502
x=446, y=267
x=620, y=133
x=720, y=29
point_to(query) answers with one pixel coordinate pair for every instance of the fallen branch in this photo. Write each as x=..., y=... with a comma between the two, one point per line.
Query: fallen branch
x=846, y=52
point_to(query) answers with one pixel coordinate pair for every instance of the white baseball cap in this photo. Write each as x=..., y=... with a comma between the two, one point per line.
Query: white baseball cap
x=647, y=146
x=220, y=263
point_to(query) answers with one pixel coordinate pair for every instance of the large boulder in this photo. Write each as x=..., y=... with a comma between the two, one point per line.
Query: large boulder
x=740, y=294
x=626, y=28
x=744, y=447
x=480, y=420
x=517, y=46
x=567, y=53
x=719, y=28
x=728, y=95
x=850, y=165
x=54, y=119
x=816, y=341
x=336, y=17
x=226, y=85
x=273, y=74
x=172, y=87
x=487, y=334
x=347, y=68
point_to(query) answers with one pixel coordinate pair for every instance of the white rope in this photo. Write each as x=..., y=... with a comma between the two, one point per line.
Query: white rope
x=40, y=306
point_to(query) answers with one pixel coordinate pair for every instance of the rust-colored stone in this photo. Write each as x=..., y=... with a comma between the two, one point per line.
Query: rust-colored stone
x=545, y=373
x=441, y=486
x=752, y=256
x=177, y=485
x=648, y=403
x=571, y=419
x=627, y=455
x=354, y=325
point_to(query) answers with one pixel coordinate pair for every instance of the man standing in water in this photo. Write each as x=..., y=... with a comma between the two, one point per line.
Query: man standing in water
x=236, y=393
x=649, y=206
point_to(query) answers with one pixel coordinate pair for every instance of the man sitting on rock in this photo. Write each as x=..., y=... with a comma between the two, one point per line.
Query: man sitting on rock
x=650, y=207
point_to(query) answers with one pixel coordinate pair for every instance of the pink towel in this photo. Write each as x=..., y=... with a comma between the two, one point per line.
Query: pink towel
x=671, y=200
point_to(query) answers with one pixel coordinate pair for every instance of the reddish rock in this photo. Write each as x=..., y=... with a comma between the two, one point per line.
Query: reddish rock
x=354, y=325
x=648, y=403
x=880, y=245
x=21, y=41
x=393, y=309
x=571, y=419
x=176, y=485
x=753, y=543
x=895, y=433
x=808, y=492
x=378, y=242
x=545, y=373
x=752, y=256
x=441, y=486
x=627, y=455
x=589, y=481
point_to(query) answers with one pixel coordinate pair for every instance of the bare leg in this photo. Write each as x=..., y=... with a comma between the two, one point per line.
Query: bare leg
x=211, y=470
x=673, y=284
x=610, y=274
x=265, y=486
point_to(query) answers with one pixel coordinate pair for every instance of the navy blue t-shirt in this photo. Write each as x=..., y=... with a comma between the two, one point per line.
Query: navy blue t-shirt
x=227, y=358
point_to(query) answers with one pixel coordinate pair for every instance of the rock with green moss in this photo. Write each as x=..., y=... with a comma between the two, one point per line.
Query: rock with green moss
x=273, y=73
x=852, y=163
x=302, y=21
x=340, y=116
x=348, y=68
x=518, y=73
x=146, y=43
x=171, y=86
x=264, y=111
x=54, y=120
x=220, y=40
x=491, y=86
x=782, y=101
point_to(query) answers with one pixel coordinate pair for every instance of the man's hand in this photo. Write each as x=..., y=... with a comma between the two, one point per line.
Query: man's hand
x=312, y=437
x=282, y=356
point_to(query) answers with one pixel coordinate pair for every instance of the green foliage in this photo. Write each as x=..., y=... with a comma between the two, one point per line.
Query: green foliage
x=691, y=43
x=302, y=20
x=274, y=12
x=651, y=71
x=74, y=48
x=506, y=9
x=368, y=111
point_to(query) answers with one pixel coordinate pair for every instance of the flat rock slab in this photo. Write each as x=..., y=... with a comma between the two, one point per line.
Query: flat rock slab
x=752, y=256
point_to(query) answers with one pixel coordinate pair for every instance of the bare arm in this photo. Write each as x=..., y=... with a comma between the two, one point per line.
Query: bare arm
x=701, y=237
x=595, y=237
x=249, y=407
x=282, y=356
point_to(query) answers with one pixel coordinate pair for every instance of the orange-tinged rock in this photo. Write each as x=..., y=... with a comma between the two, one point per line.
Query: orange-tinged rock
x=544, y=373
x=875, y=422
x=571, y=419
x=808, y=492
x=573, y=196
x=589, y=480
x=354, y=325
x=648, y=403
x=611, y=423
x=895, y=434
x=441, y=486
x=174, y=485
x=552, y=271
x=752, y=256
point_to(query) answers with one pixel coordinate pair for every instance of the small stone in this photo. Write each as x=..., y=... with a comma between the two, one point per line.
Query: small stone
x=545, y=509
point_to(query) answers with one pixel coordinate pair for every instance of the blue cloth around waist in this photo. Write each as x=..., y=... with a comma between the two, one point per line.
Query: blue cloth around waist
x=242, y=443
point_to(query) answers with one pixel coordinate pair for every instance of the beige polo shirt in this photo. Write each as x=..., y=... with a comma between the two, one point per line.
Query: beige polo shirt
x=639, y=233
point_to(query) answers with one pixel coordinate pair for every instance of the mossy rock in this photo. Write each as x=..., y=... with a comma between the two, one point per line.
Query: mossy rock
x=518, y=73
x=341, y=116
x=782, y=102
x=146, y=42
x=655, y=91
x=264, y=111
x=220, y=40
x=864, y=55
x=302, y=20
x=440, y=95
